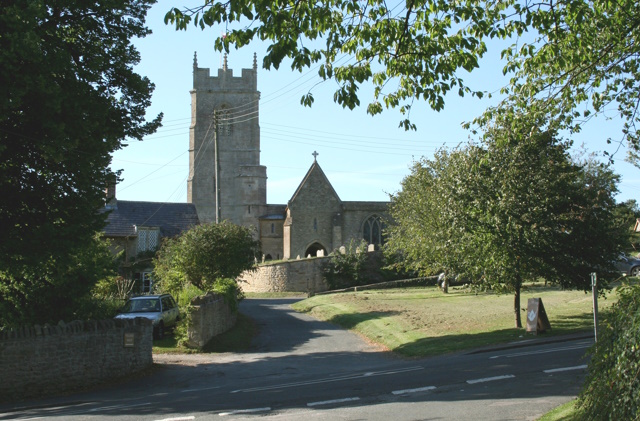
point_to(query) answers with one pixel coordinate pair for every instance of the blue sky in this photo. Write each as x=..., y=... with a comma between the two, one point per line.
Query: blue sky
x=364, y=157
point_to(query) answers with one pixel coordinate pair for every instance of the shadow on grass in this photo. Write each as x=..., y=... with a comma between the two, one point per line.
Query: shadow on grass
x=572, y=324
x=351, y=320
x=448, y=344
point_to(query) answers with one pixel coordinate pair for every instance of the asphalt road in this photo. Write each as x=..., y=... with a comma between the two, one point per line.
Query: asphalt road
x=302, y=368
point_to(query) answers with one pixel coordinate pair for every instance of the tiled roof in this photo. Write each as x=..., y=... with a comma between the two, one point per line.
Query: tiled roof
x=274, y=212
x=171, y=218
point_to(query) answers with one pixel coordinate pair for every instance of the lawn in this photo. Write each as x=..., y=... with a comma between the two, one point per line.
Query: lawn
x=424, y=321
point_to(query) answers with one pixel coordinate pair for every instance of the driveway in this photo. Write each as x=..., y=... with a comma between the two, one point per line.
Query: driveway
x=289, y=340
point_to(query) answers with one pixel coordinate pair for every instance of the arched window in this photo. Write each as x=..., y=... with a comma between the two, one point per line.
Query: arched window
x=372, y=230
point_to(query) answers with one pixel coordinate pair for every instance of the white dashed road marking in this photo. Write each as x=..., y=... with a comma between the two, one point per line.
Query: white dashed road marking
x=245, y=411
x=333, y=401
x=330, y=379
x=557, y=370
x=490, y=379
x=416, y=390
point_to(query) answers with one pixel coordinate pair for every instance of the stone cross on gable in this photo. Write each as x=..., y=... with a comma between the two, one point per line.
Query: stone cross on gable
x=315, y=155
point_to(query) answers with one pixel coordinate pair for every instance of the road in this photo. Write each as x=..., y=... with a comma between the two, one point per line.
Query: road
x=301, y=368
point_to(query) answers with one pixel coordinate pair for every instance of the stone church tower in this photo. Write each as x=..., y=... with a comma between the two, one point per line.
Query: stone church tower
x=226, y=180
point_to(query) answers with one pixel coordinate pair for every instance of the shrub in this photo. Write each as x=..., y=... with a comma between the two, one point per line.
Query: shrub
x=612, y=385
x=203, y=255
x=347, y=269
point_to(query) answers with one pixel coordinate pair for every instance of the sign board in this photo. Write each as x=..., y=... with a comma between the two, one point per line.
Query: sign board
x=537, y=320
x=129, y=339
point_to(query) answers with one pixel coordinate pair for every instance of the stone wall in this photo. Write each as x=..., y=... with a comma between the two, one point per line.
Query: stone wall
x=210, y=316
x=304, y=275
x=46, y=360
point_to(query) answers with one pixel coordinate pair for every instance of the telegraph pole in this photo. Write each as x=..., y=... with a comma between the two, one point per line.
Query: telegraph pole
x=594, y=289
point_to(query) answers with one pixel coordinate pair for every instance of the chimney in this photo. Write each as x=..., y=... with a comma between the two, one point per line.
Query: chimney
x=110, y=192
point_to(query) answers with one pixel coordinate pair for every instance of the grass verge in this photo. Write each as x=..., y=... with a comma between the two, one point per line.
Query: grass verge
x=566, y=412
x=426, y=322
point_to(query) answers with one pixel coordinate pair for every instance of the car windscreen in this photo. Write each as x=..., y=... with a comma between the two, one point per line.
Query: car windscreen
x=145, y=305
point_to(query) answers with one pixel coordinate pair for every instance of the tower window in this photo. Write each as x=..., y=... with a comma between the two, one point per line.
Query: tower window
x=315, y=224
x=223, y=121
x=273, y=228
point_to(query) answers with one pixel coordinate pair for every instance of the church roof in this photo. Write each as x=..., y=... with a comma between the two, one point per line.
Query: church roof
x=171, y=218
x=315, y=168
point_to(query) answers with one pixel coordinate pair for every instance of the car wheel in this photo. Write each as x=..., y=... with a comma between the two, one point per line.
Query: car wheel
x=635, y=271
x=159, y=331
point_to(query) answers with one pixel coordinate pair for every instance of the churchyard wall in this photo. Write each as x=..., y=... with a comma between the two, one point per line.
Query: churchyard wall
x=303, y=275
x=45, y=360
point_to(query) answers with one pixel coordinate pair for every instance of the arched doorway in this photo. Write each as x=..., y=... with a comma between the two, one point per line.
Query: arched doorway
x=313, y=250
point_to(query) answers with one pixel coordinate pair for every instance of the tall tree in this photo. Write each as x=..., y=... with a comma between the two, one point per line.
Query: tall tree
x=516, y=208
x=562, y=54
x=68, y=98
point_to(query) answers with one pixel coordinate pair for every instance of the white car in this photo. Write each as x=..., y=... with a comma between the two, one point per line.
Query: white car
x=162, y=310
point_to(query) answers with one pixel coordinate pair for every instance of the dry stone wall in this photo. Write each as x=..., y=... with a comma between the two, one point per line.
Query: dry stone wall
x=45, y=360
x=210, y=316
x=304, y=275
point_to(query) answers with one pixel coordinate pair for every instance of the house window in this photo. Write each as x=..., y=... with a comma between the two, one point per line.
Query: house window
x=148, y=239
x=372, y=230
x=146, y=282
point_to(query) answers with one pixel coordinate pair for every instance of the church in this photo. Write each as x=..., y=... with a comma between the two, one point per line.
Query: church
x=226, y=180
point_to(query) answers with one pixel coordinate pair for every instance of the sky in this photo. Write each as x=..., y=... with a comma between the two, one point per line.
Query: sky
x=364, y=157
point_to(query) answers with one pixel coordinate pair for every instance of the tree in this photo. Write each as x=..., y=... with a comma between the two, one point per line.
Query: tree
x=59, y=289
x=628, y=213
x=203, y=255
x=560, y=54
x=515, y=209
x=68, y=98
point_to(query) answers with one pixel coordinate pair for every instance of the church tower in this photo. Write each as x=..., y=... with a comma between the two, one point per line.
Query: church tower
x=226, y=180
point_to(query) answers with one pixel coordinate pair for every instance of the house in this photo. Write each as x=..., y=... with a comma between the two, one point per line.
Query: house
x=136, y=230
